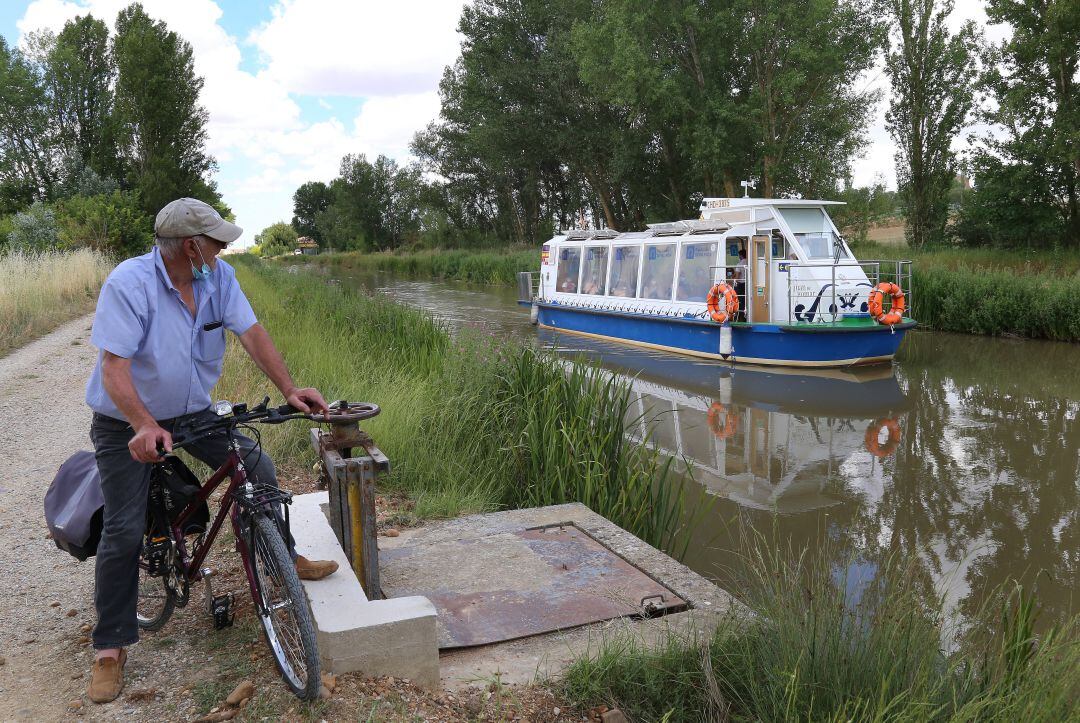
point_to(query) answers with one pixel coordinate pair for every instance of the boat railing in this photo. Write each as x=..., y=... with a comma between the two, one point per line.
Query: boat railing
x=829, y=302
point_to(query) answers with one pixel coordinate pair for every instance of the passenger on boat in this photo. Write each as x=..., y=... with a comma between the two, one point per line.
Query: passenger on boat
x=740, y=285
x=568, y=285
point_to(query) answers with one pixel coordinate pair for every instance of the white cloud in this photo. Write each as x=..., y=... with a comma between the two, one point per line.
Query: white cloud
x=359, y=47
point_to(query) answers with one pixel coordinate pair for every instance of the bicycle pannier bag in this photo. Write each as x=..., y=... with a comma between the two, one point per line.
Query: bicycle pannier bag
x=180, y=488
x=75, y=507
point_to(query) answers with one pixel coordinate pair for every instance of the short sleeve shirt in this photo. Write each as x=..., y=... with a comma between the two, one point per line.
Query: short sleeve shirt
x=175, y=358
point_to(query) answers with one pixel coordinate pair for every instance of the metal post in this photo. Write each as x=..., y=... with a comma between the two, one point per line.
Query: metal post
x=352, y=497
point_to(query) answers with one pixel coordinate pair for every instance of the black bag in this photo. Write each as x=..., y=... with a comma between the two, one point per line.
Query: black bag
x=75, y=507
x=180, y=487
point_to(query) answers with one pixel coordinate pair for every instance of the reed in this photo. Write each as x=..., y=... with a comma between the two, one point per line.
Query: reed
x=813, y=648
x=472, y=423
x=40, y=291
x=479, y=267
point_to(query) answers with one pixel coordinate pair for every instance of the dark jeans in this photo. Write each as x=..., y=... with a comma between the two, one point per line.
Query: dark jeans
x=125, y=485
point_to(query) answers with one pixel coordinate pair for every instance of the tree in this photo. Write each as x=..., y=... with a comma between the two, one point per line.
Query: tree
x=78, y=74
x=1033, y=160
x=28, y=163
x=161, y=126
x=932, y=75
x=309, y=201
x=110, y=222
x=276, y=239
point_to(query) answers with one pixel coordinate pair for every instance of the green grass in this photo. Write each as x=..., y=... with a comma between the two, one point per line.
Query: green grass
x=40, y=291
x=471, y=423
x=479, y=267
x=811, y=650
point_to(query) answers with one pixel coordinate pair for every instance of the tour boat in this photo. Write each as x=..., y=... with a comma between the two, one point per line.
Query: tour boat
x=795, y=295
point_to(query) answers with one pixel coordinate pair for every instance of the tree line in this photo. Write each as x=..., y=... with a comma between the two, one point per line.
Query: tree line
x=620, y=113
x=97, y=134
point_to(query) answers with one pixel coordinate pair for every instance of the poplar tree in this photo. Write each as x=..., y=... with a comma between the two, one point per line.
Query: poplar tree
x=932, y=73
x=161, y=125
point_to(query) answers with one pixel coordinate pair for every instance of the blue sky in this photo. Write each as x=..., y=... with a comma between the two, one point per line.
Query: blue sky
x=293, y=85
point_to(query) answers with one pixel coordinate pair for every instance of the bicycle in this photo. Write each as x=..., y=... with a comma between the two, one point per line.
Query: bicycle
x=177, y=539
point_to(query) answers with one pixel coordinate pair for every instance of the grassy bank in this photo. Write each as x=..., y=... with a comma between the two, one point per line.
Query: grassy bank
x=41, y=291
x=471, y=424
x=819, y=650
x=478, y=267
x=972, y=291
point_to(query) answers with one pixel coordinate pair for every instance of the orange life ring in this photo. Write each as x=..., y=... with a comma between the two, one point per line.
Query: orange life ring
x=731, y=421
x=731, y=302
x=873, y=432
x=877, y=298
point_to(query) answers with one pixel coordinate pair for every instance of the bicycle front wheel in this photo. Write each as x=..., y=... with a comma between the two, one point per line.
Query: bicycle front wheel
x=283, y=609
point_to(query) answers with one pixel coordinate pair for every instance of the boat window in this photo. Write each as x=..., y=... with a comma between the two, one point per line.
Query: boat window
x=569, y=265
x=624, y=271
x=594, y=270
x=818, y=246
x=658, y=271
x=694, y=280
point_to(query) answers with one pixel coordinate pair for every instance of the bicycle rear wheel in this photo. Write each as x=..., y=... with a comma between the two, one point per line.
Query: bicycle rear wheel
x=283, y=609
x=156, y=601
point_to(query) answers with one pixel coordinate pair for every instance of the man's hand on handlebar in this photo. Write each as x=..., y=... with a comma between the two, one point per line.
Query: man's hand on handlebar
x=147, y=441
x=307, y=400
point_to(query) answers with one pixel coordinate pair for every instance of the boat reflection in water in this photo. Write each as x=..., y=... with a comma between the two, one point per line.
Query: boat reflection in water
x=767, y=439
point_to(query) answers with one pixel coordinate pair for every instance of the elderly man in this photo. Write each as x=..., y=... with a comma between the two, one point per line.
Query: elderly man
x=160, y=330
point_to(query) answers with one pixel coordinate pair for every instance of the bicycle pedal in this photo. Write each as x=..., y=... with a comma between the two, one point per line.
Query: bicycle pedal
x=221, y=608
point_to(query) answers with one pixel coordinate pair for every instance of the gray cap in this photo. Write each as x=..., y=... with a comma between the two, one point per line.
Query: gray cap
x=190, y=217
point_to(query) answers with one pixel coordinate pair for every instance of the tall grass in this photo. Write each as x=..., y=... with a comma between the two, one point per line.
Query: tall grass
x=818, y=648
x=471, y=423
x=40, y=291
x=479, y=267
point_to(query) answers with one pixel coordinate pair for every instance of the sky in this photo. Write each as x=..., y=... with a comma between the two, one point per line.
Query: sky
x=291, y=86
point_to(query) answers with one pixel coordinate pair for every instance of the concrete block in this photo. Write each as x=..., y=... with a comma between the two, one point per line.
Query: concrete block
x=375, y=637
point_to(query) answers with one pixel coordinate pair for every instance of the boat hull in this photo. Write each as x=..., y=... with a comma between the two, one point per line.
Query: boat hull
x=816, y=346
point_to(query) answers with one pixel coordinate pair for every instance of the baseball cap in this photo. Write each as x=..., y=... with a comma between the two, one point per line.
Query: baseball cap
x=191, y=217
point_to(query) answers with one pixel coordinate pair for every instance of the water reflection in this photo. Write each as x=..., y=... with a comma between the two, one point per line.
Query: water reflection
x=981, y=485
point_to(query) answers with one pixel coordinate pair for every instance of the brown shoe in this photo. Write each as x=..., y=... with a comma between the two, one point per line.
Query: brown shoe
x=314, y=569
x=107, y=678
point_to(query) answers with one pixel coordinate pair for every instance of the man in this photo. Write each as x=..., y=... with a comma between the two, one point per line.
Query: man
x=740, y=285
x=160, y=330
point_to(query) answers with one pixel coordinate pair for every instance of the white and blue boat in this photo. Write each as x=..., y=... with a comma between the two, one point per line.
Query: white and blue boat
x=804, y=299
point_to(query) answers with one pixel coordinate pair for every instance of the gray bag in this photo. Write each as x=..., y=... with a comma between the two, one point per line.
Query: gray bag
x=75, y=506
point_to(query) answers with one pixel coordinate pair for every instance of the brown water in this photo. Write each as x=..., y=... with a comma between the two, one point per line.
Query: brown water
x=979, y=481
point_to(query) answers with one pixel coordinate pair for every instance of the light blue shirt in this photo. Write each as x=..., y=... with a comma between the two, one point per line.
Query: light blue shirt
x=174, y=361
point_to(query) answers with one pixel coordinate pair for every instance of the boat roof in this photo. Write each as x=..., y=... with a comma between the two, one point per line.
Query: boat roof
x=746, y=202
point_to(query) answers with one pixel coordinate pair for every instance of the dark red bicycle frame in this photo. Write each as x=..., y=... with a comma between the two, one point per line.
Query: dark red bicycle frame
x=233, y=470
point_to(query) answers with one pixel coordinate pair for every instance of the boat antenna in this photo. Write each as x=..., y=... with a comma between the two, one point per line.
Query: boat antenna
x=746, y=188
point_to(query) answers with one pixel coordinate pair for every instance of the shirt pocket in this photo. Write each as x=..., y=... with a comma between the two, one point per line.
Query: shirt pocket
x=209, y=346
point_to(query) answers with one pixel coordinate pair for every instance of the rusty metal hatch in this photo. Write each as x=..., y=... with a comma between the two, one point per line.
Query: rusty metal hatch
x=515, y=584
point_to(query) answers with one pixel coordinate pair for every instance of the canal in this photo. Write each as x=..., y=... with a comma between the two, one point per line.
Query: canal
x=964, y=455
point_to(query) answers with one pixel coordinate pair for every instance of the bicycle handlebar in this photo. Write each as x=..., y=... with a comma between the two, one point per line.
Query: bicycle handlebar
x=340, y=412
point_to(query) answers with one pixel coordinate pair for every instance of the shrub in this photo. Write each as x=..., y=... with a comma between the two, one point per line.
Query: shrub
x=113, y=223
x=34, y=230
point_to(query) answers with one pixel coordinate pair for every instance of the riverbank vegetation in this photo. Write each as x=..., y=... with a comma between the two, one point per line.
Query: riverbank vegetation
x=826, y=645
x=43, y=290
x=471, y=423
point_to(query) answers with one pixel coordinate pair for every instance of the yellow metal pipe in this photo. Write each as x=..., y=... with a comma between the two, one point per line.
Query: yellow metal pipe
x=357, y=530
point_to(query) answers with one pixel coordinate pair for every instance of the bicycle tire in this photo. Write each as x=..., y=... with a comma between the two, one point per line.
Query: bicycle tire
x=287, y=623
x=155, y=603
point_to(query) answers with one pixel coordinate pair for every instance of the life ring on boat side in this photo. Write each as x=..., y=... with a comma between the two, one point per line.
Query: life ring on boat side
x=731, y=303
x=731, y=421
x=877, y=298
x=873, y=437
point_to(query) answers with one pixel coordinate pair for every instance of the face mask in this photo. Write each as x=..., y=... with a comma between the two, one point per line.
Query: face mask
x=205, y=271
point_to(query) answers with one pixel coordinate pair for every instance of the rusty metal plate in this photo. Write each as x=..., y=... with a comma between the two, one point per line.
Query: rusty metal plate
x=515, y=584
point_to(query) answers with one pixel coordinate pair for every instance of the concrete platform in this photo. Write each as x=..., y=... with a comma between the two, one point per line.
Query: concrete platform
x=543, y=656
x=374, y=637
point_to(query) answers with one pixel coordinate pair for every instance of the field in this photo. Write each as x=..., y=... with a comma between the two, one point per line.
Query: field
x=42, y=291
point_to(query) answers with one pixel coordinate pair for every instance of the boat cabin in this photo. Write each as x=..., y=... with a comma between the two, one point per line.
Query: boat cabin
x=784, y=257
